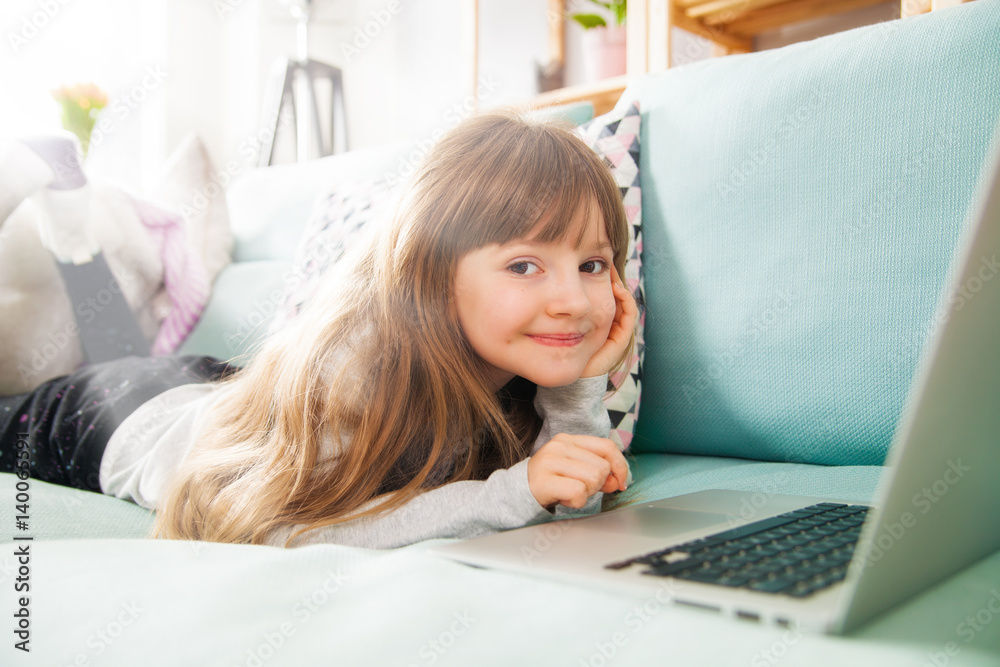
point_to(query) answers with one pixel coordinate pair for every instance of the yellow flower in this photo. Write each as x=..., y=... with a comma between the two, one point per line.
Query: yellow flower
x=80, y=103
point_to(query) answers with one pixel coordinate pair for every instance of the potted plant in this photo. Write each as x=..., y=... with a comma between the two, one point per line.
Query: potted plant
x=80, y=104
x=603, y=43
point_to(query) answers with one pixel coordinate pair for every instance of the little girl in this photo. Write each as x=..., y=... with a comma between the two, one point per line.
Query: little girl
x=447, y=383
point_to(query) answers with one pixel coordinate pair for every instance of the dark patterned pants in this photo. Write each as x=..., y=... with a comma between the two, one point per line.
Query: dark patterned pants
x=66, y=422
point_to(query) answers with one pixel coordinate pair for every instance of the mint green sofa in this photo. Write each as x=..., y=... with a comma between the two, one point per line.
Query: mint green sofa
x=800, y=210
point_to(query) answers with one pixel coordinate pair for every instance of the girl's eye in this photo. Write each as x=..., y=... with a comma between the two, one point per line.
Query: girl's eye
x=594, y=266
x=523, y=268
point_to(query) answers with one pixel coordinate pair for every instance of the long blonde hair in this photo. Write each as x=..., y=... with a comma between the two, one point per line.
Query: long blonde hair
x=377, y=369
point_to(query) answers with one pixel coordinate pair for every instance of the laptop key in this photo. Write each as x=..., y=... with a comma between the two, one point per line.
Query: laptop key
x=743, y=531
x=669, y=569
x=734, y=581
x=703, y=577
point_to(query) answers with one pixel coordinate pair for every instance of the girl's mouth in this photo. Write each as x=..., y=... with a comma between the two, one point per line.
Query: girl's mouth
x=557, y=340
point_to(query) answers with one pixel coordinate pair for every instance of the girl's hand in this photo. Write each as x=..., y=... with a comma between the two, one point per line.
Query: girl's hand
x=568, y=469
x=622, y=327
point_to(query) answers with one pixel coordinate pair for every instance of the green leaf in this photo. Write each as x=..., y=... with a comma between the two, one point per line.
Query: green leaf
x=589, y=21
x=619, y=10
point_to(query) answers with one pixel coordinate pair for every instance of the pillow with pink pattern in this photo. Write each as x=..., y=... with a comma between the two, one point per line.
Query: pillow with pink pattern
x=615, y=137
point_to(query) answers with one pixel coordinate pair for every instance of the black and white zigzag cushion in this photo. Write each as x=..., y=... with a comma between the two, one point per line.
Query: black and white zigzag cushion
x=615, y=137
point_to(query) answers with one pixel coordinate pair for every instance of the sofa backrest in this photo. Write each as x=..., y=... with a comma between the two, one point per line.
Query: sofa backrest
x=801, y=208
x=269, y=207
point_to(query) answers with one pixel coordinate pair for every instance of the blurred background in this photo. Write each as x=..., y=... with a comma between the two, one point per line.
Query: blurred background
x=167, y=69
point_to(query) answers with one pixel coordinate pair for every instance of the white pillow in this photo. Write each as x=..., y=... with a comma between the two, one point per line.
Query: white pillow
x=191, y=186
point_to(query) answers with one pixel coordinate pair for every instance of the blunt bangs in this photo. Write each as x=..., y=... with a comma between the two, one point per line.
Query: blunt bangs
x=549, y=177
x=499, y=178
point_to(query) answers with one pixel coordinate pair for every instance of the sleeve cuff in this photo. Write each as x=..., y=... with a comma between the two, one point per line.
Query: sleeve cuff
x=533, y=511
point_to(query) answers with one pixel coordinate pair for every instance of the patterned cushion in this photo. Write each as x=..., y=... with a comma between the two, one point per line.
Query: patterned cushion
x=337, y=223
x=615, y=136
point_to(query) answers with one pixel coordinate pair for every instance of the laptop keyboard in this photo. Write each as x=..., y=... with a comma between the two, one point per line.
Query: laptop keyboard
x=796, y=553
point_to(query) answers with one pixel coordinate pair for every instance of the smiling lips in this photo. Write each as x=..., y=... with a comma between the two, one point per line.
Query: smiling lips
x=557, y=340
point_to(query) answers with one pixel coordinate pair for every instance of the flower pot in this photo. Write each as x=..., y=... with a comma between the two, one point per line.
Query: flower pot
x=604, y=52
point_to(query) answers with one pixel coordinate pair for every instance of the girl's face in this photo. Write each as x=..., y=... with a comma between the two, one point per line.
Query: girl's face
x=539, y=310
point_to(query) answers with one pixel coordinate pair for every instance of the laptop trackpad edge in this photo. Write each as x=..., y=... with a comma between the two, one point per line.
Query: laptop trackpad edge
x=658, y=522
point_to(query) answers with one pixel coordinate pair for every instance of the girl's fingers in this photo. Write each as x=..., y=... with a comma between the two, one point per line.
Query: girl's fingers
x=579, y=445
x=625, y=306
x=570, y=468
x=612, y=484
x=581, y=464
x=587, y=475
x=568, y=492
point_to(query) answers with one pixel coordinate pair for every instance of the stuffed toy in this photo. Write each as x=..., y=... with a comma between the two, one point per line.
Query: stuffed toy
x=87, y=270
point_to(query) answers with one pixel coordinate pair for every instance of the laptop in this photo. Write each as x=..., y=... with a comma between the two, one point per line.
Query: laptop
x=820, y=564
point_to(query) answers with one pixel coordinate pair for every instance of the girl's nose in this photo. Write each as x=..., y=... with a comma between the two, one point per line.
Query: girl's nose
x=568, y=297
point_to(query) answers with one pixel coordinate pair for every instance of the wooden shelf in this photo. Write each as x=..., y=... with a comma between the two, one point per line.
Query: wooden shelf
x=743, y=23
x=603, y=94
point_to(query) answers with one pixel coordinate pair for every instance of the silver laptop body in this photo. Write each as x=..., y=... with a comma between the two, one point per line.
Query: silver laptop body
x=944, y=474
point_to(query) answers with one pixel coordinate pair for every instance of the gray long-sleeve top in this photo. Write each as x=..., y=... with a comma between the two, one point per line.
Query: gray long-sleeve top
x=147, y=449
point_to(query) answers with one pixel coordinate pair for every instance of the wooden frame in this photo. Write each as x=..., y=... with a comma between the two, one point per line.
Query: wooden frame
x=603, y=95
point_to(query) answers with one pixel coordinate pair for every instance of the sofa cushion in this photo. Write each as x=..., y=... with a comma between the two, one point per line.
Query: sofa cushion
x=60, y=512
x=574, y=113
x=800, y=211
x=245, y=298
x=228, y=604
x=270, y=206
